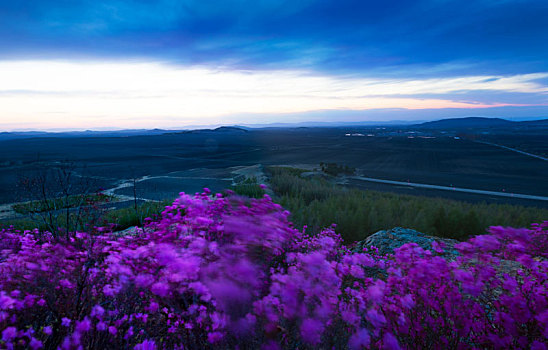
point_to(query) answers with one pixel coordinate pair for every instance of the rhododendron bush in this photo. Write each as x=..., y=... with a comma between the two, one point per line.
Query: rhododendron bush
x=232, y=272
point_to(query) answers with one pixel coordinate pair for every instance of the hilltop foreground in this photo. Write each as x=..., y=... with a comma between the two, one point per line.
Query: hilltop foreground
x=232, y=272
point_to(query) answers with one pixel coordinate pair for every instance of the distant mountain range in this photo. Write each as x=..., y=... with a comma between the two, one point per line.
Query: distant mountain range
x=86, y=133
x=480, y=122
x=467, y=123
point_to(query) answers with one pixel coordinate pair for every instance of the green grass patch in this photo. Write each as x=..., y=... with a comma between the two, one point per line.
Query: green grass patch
x=249, y=188
x=128, y=217
x=120, y=219
x=73, y=201
x=318, y=203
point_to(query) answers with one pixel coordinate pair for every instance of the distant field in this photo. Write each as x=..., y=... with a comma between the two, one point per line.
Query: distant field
x=441, y=161
x=162, y=188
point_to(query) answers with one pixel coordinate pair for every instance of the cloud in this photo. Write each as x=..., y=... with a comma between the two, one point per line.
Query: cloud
x=351, y=36
x=95, y=93
x=102, y=61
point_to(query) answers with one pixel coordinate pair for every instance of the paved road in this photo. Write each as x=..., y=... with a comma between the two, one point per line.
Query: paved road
x=514, y=150
x=447, y=188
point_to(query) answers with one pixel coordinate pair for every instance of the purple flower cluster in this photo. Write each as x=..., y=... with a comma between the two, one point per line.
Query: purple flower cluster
x=231, y=272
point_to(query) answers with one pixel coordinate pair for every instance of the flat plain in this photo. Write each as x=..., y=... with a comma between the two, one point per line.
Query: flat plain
x=164, y=165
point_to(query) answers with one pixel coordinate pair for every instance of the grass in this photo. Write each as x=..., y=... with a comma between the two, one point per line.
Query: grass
x=128, y=217
x=120, y=219
x=73, y=201
x=318, y=203
x=249, y=188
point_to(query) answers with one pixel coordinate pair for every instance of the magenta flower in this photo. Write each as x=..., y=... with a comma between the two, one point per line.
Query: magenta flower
x=311, y=331
x=97, y=311
x=9, y=334
x=83, y=326
x=146, y=345
x=101, y=326
x=215, y=337
x=160, y=288
x=359, y=340
x=35, y=344
x=230, y=270
x=389, y=342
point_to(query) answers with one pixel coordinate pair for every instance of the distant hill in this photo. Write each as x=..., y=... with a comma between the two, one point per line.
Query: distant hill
x=221, y=129
x=86, y=133
x=464, y=123
x=230, y=129
x=535, y=123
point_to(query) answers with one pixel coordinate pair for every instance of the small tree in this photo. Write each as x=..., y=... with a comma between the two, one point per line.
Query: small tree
x=60, y=199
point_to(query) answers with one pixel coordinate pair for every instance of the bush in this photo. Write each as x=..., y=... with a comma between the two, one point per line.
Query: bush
x=249, y=188
x=318, y=203
x=227, y=272
x=334, y=169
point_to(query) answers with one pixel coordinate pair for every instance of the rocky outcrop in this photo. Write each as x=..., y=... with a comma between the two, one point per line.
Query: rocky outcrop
x=130, y=231
x=388, y=240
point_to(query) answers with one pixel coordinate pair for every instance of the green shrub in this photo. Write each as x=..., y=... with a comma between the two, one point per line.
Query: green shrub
x=359, y=213
x=249, y=188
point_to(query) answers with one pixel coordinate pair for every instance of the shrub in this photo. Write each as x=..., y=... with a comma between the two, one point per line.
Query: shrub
x=317, y=203
x=249, y=188
x=230, y=272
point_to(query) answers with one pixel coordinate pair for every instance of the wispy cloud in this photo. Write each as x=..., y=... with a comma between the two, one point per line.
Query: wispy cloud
x=153, y=94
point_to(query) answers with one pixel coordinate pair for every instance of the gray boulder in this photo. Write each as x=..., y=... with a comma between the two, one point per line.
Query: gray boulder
x=388, y=240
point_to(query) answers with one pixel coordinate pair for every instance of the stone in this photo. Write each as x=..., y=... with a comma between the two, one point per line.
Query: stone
x=388, y=240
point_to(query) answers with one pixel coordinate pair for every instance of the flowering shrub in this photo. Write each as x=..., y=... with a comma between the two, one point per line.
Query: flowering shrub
x=231, y=272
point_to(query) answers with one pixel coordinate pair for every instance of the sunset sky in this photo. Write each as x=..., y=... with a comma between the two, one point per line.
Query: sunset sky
x=92, y=64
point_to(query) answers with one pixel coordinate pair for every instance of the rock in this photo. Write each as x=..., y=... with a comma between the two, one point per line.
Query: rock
x=131, y=231
x=388, y=240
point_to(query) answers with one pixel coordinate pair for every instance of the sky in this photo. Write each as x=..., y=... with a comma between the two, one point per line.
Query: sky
x=94, y=64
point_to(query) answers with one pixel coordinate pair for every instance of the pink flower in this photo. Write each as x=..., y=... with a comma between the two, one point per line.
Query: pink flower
x=271, y=345
x=311, y=331
x=438, y=246
x=536, y=345
x=359, y=340
x=152, y=307
x=35, y=344
x=6, y=302
x=377, y=319
x=83, y=326
x=376, y=291
x=129, y=333
x=97, y=311
x=160, y=288
x=214, y=337
x=146, y=345
x=9, y=334
x=66, y=284
x=389, y=342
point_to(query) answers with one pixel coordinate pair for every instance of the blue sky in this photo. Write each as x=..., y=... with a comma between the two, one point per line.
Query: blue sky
x=92, y=63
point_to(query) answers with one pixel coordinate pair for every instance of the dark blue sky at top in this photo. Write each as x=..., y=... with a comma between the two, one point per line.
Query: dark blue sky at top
x=370, y=38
